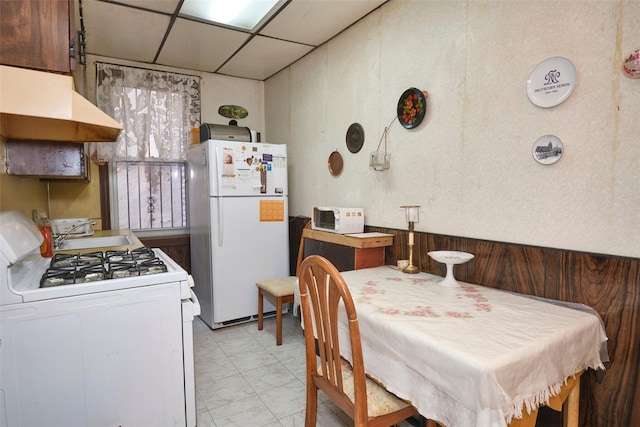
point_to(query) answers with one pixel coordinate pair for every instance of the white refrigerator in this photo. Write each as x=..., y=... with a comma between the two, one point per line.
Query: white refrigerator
x=238, y=212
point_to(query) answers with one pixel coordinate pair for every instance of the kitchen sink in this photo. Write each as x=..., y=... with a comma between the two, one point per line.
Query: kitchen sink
x=95, y=242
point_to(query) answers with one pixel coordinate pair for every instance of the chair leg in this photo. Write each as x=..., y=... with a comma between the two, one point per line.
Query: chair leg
x=278, y=321
x=260, y=315
x=312, y=404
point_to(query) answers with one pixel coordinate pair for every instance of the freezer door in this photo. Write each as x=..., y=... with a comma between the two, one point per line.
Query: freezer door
x=247, y=169
x=251, y=243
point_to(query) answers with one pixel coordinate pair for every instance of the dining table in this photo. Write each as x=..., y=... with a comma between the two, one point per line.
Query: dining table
x=470, y=355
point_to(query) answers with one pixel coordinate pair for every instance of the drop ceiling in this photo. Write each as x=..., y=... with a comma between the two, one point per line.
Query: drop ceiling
x=154, y=32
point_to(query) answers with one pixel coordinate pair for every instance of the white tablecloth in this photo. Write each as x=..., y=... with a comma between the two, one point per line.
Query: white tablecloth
x=471, y=355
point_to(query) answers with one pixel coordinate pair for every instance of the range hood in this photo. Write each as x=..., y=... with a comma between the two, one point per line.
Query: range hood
x=38, y=105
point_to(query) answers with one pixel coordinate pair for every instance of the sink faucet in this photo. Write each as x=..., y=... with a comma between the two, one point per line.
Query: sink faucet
x=59, y=242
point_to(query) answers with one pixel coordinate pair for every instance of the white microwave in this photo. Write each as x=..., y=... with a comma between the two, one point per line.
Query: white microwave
x=338, y=220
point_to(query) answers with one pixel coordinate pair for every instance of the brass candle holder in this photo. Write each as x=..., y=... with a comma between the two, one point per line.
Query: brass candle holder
x=412, y=215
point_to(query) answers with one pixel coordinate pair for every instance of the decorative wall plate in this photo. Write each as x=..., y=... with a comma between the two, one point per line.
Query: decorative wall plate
x=631, y=65
x=355, y=137
x=551, y=82
x=233, y=111
x=335, y=163
x=412, y=107
x=547, y=149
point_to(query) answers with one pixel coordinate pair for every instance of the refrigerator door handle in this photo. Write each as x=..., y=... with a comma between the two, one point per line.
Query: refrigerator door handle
x=220, y=221
x=220, y=198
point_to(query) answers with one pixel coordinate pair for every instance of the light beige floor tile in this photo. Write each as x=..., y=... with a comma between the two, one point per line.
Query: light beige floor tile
x=250, y=360
x=230, y=333
x=214, y=368
x=200, y=405
x=241, y=345
x=286, y=399
x=269, y=376
x=325, y=418
x=224, y=391
x=203, y=419
x=249, y=411
x=297, y=365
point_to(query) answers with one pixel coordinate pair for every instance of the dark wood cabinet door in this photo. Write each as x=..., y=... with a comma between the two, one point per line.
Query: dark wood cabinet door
x=38, y=34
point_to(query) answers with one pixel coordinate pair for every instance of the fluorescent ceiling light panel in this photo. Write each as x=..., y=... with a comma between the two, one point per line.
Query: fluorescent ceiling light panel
x=244, y=14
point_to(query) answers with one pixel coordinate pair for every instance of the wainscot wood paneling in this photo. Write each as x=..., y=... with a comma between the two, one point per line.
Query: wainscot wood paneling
x=177, y=247
x=608, y=284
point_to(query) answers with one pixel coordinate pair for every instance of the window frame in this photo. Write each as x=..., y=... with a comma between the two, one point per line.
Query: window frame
x=151, y=232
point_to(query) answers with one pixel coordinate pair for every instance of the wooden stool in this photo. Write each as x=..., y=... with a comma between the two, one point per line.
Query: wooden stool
x=277, y=291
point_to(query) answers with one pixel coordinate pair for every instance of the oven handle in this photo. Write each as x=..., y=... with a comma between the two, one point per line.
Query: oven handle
x=190, y=303
x=195, y=307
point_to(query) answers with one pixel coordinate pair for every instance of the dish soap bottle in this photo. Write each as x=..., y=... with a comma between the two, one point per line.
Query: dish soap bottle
x=46, y=248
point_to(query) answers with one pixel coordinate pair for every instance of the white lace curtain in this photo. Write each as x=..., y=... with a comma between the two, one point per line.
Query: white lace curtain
x=156, y=109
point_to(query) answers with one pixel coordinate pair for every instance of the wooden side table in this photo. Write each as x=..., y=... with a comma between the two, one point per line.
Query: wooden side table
x=347, y=251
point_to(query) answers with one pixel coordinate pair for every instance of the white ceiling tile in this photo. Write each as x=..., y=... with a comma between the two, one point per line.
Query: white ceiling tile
x=122, y=32
x=134, y=30
x=199, y=46
x=316, y=21
x=263, y=57
x=165, y=6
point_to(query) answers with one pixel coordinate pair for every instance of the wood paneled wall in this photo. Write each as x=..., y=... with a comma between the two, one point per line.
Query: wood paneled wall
x=177, y=247
x=609, y=284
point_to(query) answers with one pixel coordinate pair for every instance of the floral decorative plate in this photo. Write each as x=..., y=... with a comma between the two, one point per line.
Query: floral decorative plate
x=233, y=111
x=631, y=65
x=412, y=107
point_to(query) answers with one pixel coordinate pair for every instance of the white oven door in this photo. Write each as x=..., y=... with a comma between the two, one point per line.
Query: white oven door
x=107, y=359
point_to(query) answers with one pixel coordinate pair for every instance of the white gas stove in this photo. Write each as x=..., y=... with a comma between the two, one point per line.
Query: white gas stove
x=33, y=278
x=93, y=339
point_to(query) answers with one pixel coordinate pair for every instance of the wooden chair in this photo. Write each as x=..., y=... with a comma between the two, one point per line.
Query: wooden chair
x=364, y=400
x=279, y=291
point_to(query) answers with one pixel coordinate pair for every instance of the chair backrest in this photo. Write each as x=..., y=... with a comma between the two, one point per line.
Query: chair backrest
x=322, y=288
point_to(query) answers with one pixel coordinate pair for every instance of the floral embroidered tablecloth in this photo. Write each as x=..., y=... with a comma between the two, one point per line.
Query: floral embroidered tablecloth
x=471, y=355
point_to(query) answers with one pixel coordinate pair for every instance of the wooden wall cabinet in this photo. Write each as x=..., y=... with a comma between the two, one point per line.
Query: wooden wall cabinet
x=38, y=34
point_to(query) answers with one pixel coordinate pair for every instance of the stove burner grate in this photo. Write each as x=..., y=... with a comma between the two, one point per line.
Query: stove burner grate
x=70, y=260
x=71, y=275
x=66, y=269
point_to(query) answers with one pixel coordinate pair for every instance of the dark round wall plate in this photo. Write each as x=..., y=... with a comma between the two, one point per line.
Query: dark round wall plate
x=412, y=107
x=355, y=137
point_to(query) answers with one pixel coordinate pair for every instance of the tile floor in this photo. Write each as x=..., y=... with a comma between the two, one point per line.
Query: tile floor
x=244, y=379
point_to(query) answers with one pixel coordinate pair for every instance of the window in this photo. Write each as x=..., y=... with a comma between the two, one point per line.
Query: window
x=147, y=163
x=151, y=195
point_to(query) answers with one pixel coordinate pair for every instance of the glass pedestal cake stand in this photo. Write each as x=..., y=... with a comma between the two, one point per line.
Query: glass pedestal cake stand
x=450, y=258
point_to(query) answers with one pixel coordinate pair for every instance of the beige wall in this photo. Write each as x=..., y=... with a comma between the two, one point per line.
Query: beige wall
x=72, y=199
x=469, y=164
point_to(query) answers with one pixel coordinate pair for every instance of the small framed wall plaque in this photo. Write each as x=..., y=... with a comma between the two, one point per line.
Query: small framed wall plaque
x=547, y=149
